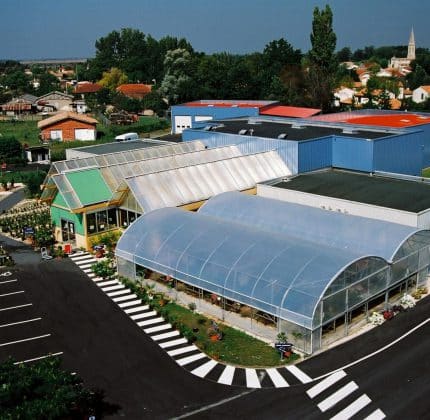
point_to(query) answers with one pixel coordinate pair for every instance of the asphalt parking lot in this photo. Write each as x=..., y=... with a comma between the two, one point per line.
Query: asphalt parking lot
x=24, y=335
x=97, y=339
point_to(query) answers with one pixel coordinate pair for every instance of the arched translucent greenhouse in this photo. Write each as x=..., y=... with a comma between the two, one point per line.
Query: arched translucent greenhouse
x=307, y=268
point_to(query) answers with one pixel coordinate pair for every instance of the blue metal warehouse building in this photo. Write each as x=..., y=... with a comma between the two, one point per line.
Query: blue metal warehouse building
x=306, y=145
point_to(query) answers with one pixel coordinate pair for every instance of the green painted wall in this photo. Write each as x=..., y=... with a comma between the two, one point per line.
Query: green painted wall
x=57, y=214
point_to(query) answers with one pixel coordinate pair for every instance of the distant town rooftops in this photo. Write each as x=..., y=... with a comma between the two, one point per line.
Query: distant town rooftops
x=395, y=193
x=87, y=87
x=134, y=90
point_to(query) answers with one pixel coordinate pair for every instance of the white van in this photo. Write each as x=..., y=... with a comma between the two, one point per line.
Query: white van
x=127, y=137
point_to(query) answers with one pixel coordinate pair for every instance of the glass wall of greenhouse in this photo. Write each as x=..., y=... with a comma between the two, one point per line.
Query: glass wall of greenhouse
x=306, y=287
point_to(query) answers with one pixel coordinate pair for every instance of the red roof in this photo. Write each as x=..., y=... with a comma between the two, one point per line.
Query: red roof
x=290, y=111
x=87, y=87
x=134, y=90
x=391, y=120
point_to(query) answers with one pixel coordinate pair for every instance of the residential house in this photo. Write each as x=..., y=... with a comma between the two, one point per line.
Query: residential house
x=68, y=126
x=134, y=90
x=24, y=104
x=55, y=101
x=421, y=94
x=81, y=90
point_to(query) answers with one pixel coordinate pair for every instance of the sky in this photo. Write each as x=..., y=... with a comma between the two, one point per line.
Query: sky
x=36, y=29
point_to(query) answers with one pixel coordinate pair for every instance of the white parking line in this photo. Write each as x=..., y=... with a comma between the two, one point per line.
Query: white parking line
x=20, y=322
x=376, y=415
x=12, y=293
x=8, y=281
x=25, y=339
x=38, y=358
x=299, y=374
x=15, y=307
x=277, y=378
x=324, y=384
x=352, y=408
x=334, y=398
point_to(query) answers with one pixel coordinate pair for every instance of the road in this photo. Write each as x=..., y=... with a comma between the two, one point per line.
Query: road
x=100, y=343
x=10, y=200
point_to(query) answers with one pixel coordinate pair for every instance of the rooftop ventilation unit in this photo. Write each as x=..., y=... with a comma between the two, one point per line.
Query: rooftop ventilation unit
x=283, y=136
x=349, y=130
x=297, y=126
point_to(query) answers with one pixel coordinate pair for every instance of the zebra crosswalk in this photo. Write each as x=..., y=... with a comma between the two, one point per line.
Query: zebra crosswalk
x=341, y=398
x=185, y=354
x=341, y=404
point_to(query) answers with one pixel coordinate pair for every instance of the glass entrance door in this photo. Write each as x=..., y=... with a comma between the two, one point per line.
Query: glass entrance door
x=68, y=231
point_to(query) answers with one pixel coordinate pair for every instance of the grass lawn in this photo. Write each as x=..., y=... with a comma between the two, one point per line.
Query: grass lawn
x=24, y=131
x=426, y=172
x=28, y=133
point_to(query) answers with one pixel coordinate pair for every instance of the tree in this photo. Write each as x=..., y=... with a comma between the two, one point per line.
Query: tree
x=113, y=78
x=344, y=54
x=176, y=78
x=154, y=101
x=48, y=83
x=42, y=390
x=10, y=150
x=322, y=60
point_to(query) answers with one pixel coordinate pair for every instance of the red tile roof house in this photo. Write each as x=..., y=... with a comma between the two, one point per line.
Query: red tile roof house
x=134, y=90
x=68, y=126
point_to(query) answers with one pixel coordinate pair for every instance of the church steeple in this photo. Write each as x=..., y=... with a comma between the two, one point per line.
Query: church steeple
x=411, y=46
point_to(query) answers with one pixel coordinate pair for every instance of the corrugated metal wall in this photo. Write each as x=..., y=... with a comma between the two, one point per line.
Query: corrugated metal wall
x=212, y=111
x=400, y=154
x=315, y=154
x=352, y=153
x=425, y=136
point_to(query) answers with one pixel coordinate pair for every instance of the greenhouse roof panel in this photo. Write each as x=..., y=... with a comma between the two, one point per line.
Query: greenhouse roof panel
x=176, y=187
x=89, y=186
x=268, y=271
x=328, y=228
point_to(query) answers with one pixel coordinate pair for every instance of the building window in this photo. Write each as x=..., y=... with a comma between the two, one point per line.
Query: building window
x=126, y=217
x=101, y=221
